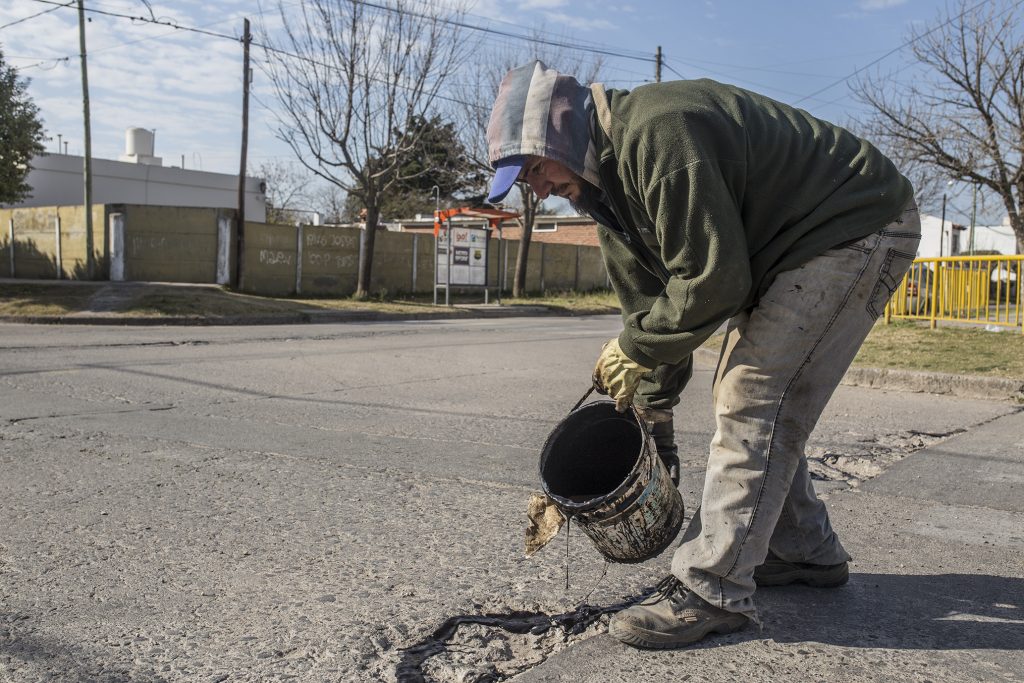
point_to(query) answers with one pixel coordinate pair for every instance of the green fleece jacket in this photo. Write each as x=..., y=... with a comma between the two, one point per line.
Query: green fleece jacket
x=716, y=190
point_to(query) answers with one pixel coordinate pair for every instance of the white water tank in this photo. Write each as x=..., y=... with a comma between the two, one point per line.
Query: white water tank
x=138, y=147
x=138, y=142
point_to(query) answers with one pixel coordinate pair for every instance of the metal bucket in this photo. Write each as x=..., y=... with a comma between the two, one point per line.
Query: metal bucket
x=600, y=468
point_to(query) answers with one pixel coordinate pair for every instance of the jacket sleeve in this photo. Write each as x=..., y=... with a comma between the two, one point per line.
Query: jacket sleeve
x=700, y=231
x=637, y=290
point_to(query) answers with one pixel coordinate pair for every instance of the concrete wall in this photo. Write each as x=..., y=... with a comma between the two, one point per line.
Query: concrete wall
x=330, y=260
x=169, y=243
x=49, y=243
x=56, y=180
x=271, y=254
x=178, y=244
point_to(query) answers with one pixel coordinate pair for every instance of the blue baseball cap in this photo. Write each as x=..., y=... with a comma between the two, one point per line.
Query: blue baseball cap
x=506, y=172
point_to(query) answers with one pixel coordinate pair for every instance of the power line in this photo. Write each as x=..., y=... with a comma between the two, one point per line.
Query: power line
x=160, y=22
x=581, y=47
x=732, y=78
x=898, y=48
x=308, y=60
x=508, y=34
x=268, y=48
x=37, y=14
x=742, y=67
x=39, y=64
x=672, y=69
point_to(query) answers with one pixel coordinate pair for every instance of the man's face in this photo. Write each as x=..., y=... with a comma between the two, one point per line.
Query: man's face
x=549, y=177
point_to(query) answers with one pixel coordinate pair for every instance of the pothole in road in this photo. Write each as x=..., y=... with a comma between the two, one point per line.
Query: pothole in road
x=877, y=454
x=484, y=648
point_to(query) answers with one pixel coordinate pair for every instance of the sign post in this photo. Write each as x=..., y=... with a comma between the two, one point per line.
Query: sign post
x=460, y=253
x=461, y=259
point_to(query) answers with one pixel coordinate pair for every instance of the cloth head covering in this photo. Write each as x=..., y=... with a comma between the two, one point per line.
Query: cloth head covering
x=539, y=112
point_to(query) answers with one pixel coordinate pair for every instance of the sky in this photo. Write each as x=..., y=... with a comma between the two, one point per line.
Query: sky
x=187, y=85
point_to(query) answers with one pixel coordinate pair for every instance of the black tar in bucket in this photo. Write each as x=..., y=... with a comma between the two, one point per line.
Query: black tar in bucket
x=600, y=469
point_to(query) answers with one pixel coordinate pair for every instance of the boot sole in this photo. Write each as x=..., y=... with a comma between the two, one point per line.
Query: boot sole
x=652, y=640
x=815, y=578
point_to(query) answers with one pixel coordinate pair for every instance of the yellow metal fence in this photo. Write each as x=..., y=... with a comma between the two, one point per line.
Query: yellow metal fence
x=983, y=290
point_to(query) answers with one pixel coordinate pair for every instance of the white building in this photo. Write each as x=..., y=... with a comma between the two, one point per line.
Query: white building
x=949, y=239
x=139, y=178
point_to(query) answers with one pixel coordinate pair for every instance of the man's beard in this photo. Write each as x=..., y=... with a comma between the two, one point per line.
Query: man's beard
x=589, y=197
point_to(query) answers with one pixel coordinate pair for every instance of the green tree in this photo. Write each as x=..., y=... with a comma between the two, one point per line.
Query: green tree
x=438, y=159
x=21, y=134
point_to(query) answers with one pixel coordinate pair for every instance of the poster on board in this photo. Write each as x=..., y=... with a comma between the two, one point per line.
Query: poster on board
x=467, y=257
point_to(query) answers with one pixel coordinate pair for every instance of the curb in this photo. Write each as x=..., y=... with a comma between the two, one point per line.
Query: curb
x=302, y=317
x=961, y=386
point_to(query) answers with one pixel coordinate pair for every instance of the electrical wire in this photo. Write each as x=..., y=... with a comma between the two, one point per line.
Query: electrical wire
x=39, y=64
x=581, y=47
x=366, y=3
x=905, y=44
x=672, y=69
x=160, y=22
x=37, y=14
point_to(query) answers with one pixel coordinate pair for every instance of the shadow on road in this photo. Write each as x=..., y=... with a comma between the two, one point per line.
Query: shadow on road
x=44, y=659
x=931, y=611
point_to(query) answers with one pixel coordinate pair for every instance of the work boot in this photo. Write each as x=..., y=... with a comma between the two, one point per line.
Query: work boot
x=778, y=572
x=672, y=465
x=672, y=616
x=664, y=435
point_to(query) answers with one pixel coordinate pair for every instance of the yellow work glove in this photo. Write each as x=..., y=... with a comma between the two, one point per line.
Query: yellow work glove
x=617, y=375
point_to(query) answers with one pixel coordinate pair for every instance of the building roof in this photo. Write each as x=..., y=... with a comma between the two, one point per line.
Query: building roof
x=579, y=230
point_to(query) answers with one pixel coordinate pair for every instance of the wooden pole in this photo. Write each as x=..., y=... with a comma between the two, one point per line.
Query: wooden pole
x=87, y=169
x=240, y=222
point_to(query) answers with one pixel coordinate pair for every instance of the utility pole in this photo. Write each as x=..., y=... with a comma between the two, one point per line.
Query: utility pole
x=942, y=227
x=88, y=144
x=240, y=223
x=657, y=65
x=974, y=215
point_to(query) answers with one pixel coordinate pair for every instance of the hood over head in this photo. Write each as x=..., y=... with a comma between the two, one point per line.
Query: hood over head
x=540, y=112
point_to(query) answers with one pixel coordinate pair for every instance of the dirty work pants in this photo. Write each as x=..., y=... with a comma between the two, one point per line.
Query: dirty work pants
x=779, y=364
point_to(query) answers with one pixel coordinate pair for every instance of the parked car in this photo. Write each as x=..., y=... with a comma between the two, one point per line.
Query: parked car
x=1003, y=286
x=919, y=290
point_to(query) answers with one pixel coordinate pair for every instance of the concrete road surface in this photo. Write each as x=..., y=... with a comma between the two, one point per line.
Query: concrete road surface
x=314, y=503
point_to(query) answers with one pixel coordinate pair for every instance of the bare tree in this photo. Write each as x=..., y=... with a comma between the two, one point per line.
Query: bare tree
x=479, y=91
x=287, y=190
x=350, y=76
x=329, y=200
x=963, y=112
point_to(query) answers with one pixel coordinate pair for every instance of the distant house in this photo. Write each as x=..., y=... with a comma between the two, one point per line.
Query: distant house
x=576, y=230
x=139, y=178
x=954, y=239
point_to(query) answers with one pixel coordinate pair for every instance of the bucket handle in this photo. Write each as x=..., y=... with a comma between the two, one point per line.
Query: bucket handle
x=585, y=396
x=592, y=389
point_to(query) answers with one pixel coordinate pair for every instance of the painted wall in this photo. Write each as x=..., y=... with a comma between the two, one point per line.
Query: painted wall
x=169, y=243
x=49, y=243
x=56, y=180
x=324, y=261
x=181, y=244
